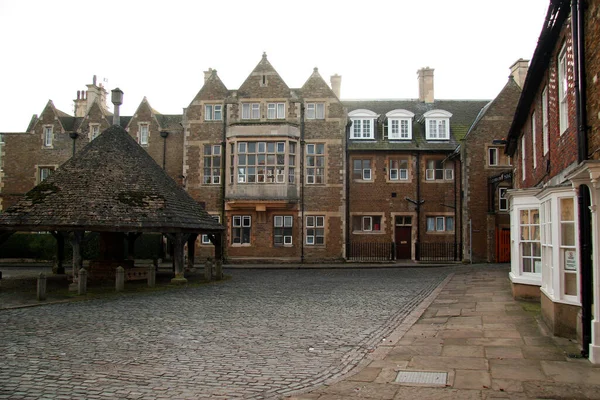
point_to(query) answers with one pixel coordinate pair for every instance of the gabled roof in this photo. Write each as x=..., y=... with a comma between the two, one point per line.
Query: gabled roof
x=315, y=86
x=213, y=88
x=112, y=185
x=464, y=112
x=264, y=82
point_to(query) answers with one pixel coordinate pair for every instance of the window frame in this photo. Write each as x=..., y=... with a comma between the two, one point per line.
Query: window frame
x=213, y=112
x=533, y=141
x=434, y=120
x=503, y=198
x=545, y=127
x=438, y=174
x=283, y=227
x=40, y=169
x=370, y=221
x=490, y=151
x=315, y=163
x=48, y=132
x=144, y=134
x=240, y=225
x=315, y=110
x=317, y=226
x=529, y=241
x=276, y=110
x=205, y=240
x=215, y=167
x=399, y=162
x=364, y=123
x=563, y=85
x=434, y=222
x=250, y=111
x=365, y=173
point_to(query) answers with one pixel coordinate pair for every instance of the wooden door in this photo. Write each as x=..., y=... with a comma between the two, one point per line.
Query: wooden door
x=403, y=243
x=502, y=245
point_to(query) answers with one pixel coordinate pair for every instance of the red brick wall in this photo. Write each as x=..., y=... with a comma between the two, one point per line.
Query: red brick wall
x=592, y=60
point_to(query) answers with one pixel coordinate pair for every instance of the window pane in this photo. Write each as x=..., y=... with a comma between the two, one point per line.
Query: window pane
x=567, y=234
x=320, y=111
x=567, y=213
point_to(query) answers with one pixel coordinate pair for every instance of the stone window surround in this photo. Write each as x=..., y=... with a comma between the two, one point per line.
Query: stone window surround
x=311, y=170
x=437, y=217
x=317, y=225
x=48, y=136
x=373, y=219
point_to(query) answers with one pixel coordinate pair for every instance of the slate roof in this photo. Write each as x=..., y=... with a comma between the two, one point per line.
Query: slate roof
x=111, y=185
x=464, y=113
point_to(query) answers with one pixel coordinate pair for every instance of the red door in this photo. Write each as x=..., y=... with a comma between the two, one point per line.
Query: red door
x=502, y=245
x=403, y=245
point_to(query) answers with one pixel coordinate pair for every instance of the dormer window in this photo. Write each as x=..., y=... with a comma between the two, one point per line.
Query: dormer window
x=363, y=124
x=399, y=124
x=437, y=125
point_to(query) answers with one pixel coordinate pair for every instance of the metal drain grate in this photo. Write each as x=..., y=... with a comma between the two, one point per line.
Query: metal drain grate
x=422, y=377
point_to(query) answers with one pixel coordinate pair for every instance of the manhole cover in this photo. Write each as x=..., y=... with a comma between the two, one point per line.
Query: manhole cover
x=422, y=377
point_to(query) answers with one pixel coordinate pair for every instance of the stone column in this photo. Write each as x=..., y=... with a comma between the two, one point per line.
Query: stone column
x=82, y=284
x=41, y=287
x=218, y=270
x=76, y=240
x=120, y=279
x=208, y=270
x=179, y=240
x=151, y=276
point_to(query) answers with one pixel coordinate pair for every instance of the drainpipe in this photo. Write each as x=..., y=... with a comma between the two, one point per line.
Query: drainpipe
x=583, y=197
x=418, y=255
x=223, y=179
x=302, y=145
x=164, y=134
x=348, y=177
x=455, y=214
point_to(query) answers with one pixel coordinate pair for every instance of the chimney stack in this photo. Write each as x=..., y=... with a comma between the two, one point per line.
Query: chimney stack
x=425, y=77
x=207, y=74
x=117, y=100
x=519, y=71
x=336, y=85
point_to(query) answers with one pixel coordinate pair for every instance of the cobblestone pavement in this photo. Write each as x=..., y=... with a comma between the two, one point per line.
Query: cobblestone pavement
x=262, y=334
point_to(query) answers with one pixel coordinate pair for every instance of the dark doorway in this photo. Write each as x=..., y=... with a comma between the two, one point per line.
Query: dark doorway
x=402, y=238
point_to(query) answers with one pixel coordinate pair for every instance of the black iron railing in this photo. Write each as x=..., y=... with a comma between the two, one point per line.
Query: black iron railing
x=365, y=251
x=444, y=251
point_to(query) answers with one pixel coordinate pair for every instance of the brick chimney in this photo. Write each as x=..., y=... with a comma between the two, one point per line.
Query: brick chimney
x=519, y=71
x=336, y=85
x=425, y=77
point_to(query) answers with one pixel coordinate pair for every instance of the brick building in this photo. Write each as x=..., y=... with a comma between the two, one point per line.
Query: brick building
x=54, y=136
x=404, y=175
x=555, y=253
x=487, y=175
x=267, y=160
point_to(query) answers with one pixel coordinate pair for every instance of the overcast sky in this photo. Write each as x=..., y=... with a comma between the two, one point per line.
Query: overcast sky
x=159, y=49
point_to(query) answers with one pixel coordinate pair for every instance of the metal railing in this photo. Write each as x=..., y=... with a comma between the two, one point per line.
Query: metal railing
x=444, y=251
x=365, y=251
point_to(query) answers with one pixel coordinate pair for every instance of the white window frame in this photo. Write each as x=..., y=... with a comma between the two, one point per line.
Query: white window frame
x=213, y=179
x=396, y=120
x=240, y=222
x=213, y=112
x=493, y=150
x=533, y=140
x=315, y=110
x=439, y=223
x=437, y=125
x=563, y=85
x=48, y=135
x=545, y=129
x=398, y=174
x=366, y=173
x=315, y=224
x=430, y=173
x=205, y=239
x=144, y=134
x=502, y=197
x=250, y=110
x=44, y=172
x=363, y=124
x=529, y=241
x=317, y=151
x=282, y=222
x=275, y=110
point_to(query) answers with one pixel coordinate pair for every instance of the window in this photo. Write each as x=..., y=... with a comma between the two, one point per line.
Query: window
x=398, y=170
x=399, y=129
x=292, y=162
x=213, y=112
x=143, y=138
x=282, y=230
x=523, y=157
x=212, y=164
x=529, y=229
x=241, y=229
x=403, y=220
x=440, y=224
x=568, y=249
x=250, y=111
x=366, y=223
x=315, y=111
x=315, y=230
x=48, y=136
x=44, y=172
x=533, y=141
x=562, y=90
x=502, y=200
x=315, y=163
x=275, y=110
x=437, y=125
x=263, y=162
x=437, y=170
x=94, y=131
x=437, y=129
x=362, y=170
x=545, y=138
x=205, y=238
x=363, y=124
x=492, y=156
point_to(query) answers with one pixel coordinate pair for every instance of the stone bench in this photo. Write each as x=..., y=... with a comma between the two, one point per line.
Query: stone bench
x=136, y=273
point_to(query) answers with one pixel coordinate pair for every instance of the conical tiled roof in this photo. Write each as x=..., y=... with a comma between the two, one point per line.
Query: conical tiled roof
x=112, y=185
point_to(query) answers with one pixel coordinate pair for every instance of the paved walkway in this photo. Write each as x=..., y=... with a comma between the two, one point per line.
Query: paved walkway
x=490, y=347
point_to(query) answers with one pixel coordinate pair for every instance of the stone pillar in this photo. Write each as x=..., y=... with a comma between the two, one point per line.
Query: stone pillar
x=120, y=279
x=76, y=240
x=179, y=240
x=208, y=270
x=219, y=270
x=151, y=276
x=191, y=250
x=58, y=267
x=41, y=287
x=82, y=284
